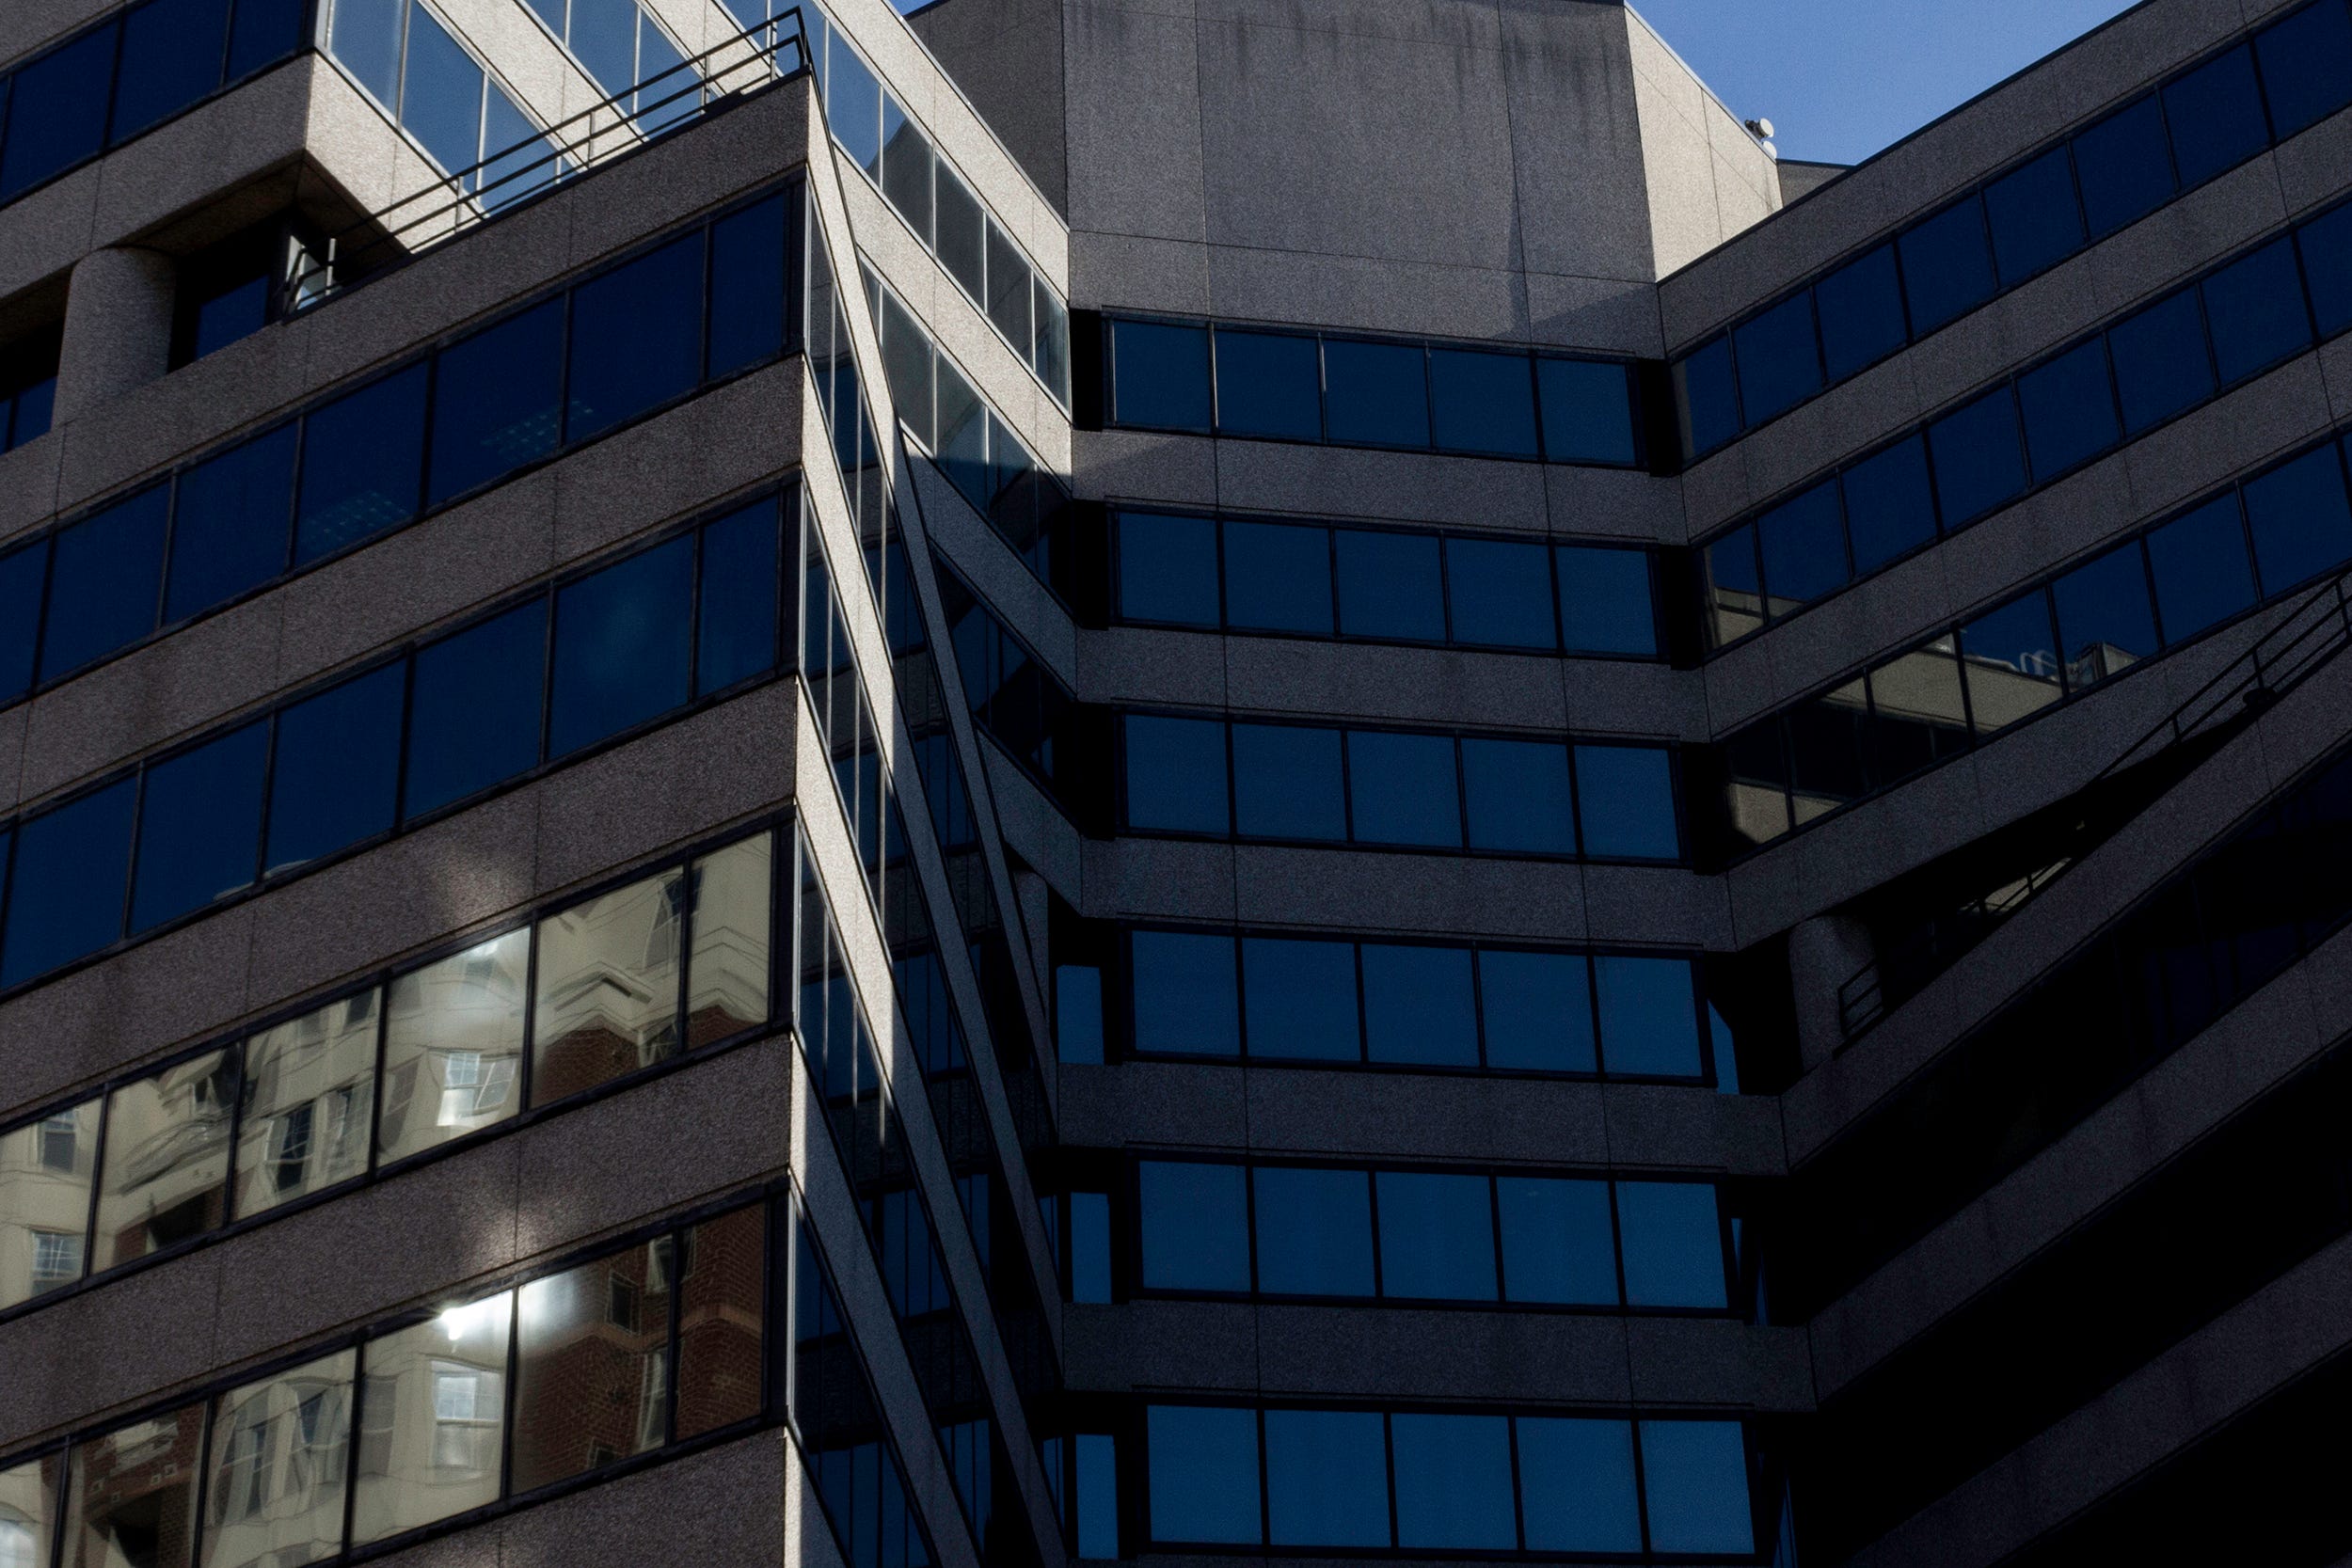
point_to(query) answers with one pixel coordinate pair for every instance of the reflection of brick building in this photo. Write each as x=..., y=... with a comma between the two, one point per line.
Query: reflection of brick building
x=134, y=1494
x=590, y=1384
x=720, y=1325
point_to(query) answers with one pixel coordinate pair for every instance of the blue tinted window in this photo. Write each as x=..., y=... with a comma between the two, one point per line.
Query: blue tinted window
x=852, y=97
x=1268, y=384
x=1277, y=578
x=1861, y=310
x=1376, y=394
x=1516, y=796
x=1559, y=1244
x=1204, y=1474
x=362, y=464
x=1483, y=402
x=1707, y=403
x=747, y=287
x=335, y=778
x=1391, y=585
x=1947, y=266
x=2254, y=308
x=2012, y=662
x=2034, y=216
x=2326, y=243
x=1587, y=409
x=366, y=38
x=65, y=889
x=636, y=337
x=1625, y=802
x=2203, y=574
x=1576, y=1485
x=622, y=645
x=1803, y=543
x=1437, y=1237
x=265, y=30
x=1314, y=1231
x=2161, y=365
x=2306, y=66
x=1695, y=1482
x=441, y=93
x=1537, y=1009
x=1500, y=594
x=1649, y=1020
x=2216, y=113
x=1168, y=569
x=1674, y=1254
x=1605, y=602
x=20, y=575
x=1889, y=507
x=1287, y=782
x=474, y=717
x=1301, y=999
x=2123, y=167
x=1401, y=790
x=737, y=612
x=170, y=59
x=200, y=826
x=2104, y=619
x=57, y=111
x=32, y=407
x=2299, y=520
x=497, y=400
x=228, y=527
x=1175, y=775
x=1417, y=1005
x=1977, y=462
x=1184, y=997
x=1779, y=362
x=1454, y=1483
x=1327, y=1478
x=1196, y=1226
x=102, y=585
x=2069, y=409
x=1735, y=586
x=1160, y=376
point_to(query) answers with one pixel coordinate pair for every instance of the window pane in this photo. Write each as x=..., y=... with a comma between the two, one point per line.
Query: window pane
x=441, y=93
x=1861, y=309
x=1576, y=1485
x=200, y=826
x=103, y=584
x=497, y=400
x=737, y=635
x=2124, y=167
x=591, y=1372
x=1803, y=543
x=852, y=104
x=1558, y=1245
x=521, y=161
x=1196, y=1226
x=1314, y=1231
x=1185, y=998
x=1175, y=775
x=2306, y=66
x=1588, y=411
x=1436, y=1238
x=1735, y=587
x=720, y=1321
x=727, y=976
x=28, y=1516
x=65, y=891
x=1978, y=463
x=475, y=715
x=1538, y=1011
x=2326, y=243
x=1287, y=782
x=1391, y=585
x=1889, y=509
x=170, y=59
x=1301, y=999
x=635, y=338
x=166, y=1171
x=1500, y=594
x=2034, y=216
x=1168, y=569
x=2216, y=113
x=622, y=645
x=1277, y=578
x=2254, y=308
x=1695, y=1476
x=2300, y=522
x=336, y=774
x=277, y=1450
x=2105, y=623
x=2203, y=574
x=1649, y=1020
x=1376, y=394
x=1626, y=804
x=1755, y=795
x=1454, y=1483
x=2012, y=662
x=1160, y=376
x=1825, y=750
x=453, y=1045
x=1049, y=354
x=959, y=237
x=21, y=585
x=1204, y=1474
x=1268, y=384
x=608, y=987
x=1417, y=1005
x=58, y=113
x=1605, y=605
x=1780, y=364
x=228, y=528
x=310, y=1104
x=1674, y=1252
x=1402, y=790
x=1947, y=266
x=1483, y=402
x=1327, y=1478
x=747, y=287
x=112, y=1518
x=1918, y=714
x=1008, y=280
x=46, y=1168
x=2161, y=365
x=1517, y=797
x=2069, y=410
x=1707, y=404
x=907, y=161
x=363, y=458
x=432, y=1419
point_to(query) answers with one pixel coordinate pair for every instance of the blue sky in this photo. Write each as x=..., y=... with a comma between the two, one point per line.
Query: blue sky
x=1841, y=79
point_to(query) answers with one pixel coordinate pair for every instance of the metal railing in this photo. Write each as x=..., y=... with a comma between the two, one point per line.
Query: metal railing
x=2313, y=634
x=661, y=106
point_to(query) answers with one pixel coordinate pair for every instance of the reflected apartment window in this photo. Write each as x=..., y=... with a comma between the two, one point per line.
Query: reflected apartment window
x=57, y=1142
x=471, y=1087
x=56, y=1259
x=465, y=1420
x=16, y=1544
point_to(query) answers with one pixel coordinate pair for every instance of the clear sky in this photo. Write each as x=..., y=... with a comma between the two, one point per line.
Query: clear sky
x=1841, y=79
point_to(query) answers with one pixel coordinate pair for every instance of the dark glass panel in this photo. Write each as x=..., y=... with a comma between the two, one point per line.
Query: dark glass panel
x=1483, y=402
x=1175, y=775
x=1588, y=411
x=2306, y=66
x=104, y=582
x=66, y=886
x=1376, y=394
x=1825, y=751
x=1649, y=1018
x=1437, y=1236
x=2011, y=660
x=636, y=337
x=1009, y=289
x=1918, y=714
x=1453, y=1481
x=961, y=240
x=2104, y=622
x=1576, y=1485
x=1168, y=569
x=1625, y=803
x=1755, y=795
x=1673, y=1249
x=1185, y=1000
x=1516, y=796
x=1500, y=594
x=2124, y=167
x=474, y=714
x=1707, y=401
x=2161, y=364
x=1605, y=602
x=1401, y=790
x=200, y=826
x=2215, y=115
x=1268, y=384
x=21, y=578
x=1277, y=578
x=1205, y=1475
x=2034, y=216
x=228, y=525
x=2254, y=308
x=1780, y=364
x=1803, y=543
x=362, y=465
x=1947, y=265
x=497, y=400
x=335, y=778
x=1538, y=1011
x=264, y=31
x=57, y=111
x=2069, y=409
x=1735, y=587
x=623, y=642
x=1300, y=997
x=1861, y=310
x=1559, y=1243
x=2203, y=574
x=2326, y=243
x=1327, y=1478
x=1890, y=509
x=906, y=169
x=1196, y=1226
x=1160, y=376
x=170, y=59
x=1419, y=1005
x=1314, y=1231
x=737, y=602
x=1287, y=782
x=2301, y=520
x=1978, y=464
x=747, y=269
x=1391, y=585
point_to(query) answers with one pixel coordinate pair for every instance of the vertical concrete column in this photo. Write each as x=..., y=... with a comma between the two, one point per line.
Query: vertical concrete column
x=1823, y=954
x=117, y=326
